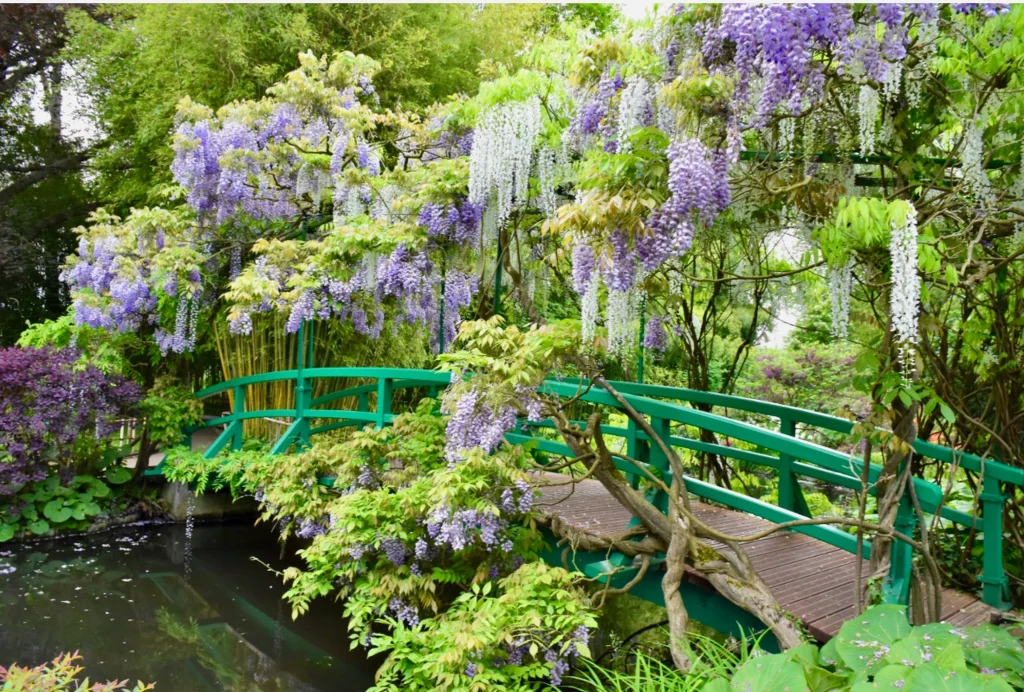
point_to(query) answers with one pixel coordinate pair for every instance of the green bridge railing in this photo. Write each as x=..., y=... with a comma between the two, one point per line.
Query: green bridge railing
x=672, y=415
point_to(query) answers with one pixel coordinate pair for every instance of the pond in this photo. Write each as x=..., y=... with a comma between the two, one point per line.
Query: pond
x=147, y=603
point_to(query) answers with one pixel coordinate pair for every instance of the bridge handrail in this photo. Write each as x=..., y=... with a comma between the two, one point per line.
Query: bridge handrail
x=431, y=376
x=796, y=457
x=947, y=455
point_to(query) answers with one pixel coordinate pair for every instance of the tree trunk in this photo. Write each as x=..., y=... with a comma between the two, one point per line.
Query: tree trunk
x=675, y=562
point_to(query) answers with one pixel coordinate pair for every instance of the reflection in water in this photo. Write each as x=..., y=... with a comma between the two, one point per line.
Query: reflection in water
x=123, y=600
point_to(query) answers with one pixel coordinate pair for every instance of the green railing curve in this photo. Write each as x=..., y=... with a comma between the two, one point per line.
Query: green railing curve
x=674, y=415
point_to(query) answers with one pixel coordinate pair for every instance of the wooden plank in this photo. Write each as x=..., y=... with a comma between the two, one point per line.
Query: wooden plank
x=811, y=579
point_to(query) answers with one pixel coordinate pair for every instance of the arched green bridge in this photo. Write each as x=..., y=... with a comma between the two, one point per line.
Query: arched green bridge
x=811, y=569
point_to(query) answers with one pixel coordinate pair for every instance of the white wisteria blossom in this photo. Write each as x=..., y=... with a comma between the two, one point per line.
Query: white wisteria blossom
x=905, y=300
x=622, y=318
x=867, y=111
x=979, y=187
x=502, y=154
x=547, y=199
x=589, y=311
x=840, y=279
x=635, y=107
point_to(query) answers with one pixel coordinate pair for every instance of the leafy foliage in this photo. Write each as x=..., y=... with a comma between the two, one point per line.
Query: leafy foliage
x=60, y=675
x=436, y=561
x=881, y=650
x=168, y=409
x=53, y=410
x=50, y=505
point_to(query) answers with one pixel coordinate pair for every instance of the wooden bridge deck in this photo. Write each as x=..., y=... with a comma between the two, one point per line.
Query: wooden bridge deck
x=811, y=579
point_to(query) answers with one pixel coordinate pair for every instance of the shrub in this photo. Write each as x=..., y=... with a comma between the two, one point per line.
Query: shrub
x=54, y=411
x=436, y=560
x=59, y=675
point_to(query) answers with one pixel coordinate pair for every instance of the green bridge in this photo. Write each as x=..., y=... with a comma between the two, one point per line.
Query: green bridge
x=810, y=568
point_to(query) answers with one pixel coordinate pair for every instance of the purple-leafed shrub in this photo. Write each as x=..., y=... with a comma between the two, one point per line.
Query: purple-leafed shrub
x=54, y=412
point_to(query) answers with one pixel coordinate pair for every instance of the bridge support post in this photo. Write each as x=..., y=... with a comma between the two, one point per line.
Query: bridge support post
x=791, y=497
x=236, y=424
x=303, y=392
x=901, y=556
x=384, y=387
x=663, y=429
x=995, y=586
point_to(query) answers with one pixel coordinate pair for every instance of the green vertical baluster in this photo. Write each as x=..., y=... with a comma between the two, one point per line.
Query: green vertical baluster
x=996, y=587
x=384, y=386
x=239, y=409
x=302, y=392
x=791, y=497
x=662, y=428
x=497, y=279
x=640, y=341
x=901, y=556
x=364, y=402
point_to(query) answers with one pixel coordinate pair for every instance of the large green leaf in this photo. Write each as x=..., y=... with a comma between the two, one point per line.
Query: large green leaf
x=931, y=643
x=992, y=648
x=91, y=508
x=774, y=673
x=7, y=532
x=864, y=641
x=716, y=685
x=933, y=678
x=118, y=476
x=821, y=680
x=39, y=527
x=892, y=677
x=56, y=512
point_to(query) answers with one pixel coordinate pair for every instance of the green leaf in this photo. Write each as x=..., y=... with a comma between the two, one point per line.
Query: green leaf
x=7, y=532
x=117, y=476
x=805, y=654
x=828, y=655
x=951, y=276
x=929, y=643
x=716, y=685
x=888, y=678
x=56, y=512
x=78, y=512
x=931, y=677
x=39, y=527
x=770, y=674
x=91, y=508
x=821, y=680
x=992, y=647
x=864, y=641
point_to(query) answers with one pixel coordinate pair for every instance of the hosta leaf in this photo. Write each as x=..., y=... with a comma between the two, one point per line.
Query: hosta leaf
x=773, y=673
x=118, y=476
x=864, y=641
x=56, y=512
x=931, y=677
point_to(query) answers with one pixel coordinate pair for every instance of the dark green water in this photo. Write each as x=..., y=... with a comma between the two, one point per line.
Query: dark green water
x=146, y=604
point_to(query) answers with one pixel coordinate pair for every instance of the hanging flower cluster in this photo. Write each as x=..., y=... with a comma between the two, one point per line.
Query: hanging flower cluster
x=906, y=283
x=840, y=280
x=124, y=267
x=867, y=112
x=274, y=158
x=502, y=154
x=774, y=47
